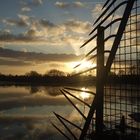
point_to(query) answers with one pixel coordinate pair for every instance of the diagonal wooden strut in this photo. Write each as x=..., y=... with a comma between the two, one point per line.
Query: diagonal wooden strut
x=68, y=121
x=77, y=98
x=73, y=104
x=58, y=117
x=60, y=131
x=80, y=90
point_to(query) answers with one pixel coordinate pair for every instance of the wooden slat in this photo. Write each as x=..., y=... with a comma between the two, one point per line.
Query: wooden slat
x=60, y=131
x=105, y=11
x=75, y=89
x=69, y=122
x=73, y=104
x=118, y=6
x=77, y=98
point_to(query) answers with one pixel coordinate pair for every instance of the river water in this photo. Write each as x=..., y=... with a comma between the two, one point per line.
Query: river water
x=27, y=112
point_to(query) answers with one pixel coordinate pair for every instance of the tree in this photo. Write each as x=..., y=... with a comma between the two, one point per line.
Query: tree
x=55, y=72
x=32, y=74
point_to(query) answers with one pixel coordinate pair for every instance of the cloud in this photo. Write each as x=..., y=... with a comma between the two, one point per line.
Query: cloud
x=33, y=37
x=64, y=5
x=8, y=62
x=28, y=57
x=46, y=23
x=42, y=31
x=61, y=4
x=25, y=9
x=37, y=2
x=56, y=65
x=21, y=62
x=78, y=26
x=23, y=21
x=97, y=10
x=78, y=4
x=5, y=31
x=13, y=22
x=31, y=33
x=9, y=37
x=31, y=2
x=70, y=30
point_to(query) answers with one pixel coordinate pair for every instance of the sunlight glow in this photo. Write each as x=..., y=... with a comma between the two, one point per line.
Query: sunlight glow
x=82, y=65
x=84, y=95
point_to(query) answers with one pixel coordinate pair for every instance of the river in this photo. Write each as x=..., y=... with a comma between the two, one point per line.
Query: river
x=27, y=112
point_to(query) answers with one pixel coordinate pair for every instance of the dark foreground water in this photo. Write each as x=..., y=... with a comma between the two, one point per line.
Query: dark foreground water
x=26, y=112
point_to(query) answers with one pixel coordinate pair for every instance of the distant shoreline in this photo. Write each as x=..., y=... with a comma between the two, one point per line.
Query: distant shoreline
x=65, y=80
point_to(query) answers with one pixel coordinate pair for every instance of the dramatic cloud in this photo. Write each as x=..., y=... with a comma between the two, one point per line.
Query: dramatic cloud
x=43, y=31
x=35, y=57
x=9, y=37
x=21, y=62
x=8, y=62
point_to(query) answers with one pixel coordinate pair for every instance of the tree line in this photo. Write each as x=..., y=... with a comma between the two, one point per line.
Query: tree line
x=52, y=77
x=57, y=77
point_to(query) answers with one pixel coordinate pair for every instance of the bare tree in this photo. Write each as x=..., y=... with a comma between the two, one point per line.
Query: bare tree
x=55, y=72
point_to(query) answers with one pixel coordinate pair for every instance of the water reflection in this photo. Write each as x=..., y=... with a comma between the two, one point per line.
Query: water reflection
x=84, y=95
x=25, y=112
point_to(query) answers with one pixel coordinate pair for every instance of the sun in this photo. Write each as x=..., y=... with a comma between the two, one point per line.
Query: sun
x=84, y=95
x=86, y=64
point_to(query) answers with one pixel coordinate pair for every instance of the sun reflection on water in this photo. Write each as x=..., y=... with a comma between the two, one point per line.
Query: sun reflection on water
x=83, y=94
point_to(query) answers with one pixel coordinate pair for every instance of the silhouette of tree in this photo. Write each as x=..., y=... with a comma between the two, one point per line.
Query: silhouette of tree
x=55, y=72
x=33, y=74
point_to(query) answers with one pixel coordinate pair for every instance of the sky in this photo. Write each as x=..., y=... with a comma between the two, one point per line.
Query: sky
x=43, y=27
x=40, y=35
x=48, y=26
